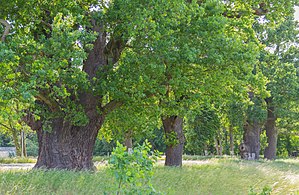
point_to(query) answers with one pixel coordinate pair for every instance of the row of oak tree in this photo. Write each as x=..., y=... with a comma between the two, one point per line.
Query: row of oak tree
x=72, y=70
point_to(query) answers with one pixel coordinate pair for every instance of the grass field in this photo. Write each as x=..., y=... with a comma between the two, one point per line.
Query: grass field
x=208, y=176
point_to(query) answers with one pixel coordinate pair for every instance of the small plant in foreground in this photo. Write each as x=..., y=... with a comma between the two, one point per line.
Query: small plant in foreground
x=133, y=170
x=266, y=191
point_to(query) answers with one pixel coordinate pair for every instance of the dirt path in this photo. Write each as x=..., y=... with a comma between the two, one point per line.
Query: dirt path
x=190, y=162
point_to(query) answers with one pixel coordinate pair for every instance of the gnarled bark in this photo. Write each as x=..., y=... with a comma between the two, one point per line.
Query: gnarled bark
x=67, y=146
x=174, y=151
x=250, y=148
x=128, y=141
x=6, y=31
x=271, y=132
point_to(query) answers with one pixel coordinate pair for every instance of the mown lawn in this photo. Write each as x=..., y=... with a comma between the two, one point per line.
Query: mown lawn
x=210, y=176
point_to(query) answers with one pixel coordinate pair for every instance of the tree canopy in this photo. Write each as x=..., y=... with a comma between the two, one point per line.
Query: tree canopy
x=73, y=62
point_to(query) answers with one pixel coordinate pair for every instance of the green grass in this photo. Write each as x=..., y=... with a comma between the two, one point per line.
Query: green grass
x=100, y=158
x=224, y=176
x=17, y=160
x=210, y=176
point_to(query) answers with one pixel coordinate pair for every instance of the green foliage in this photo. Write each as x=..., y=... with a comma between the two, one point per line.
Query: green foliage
x=49, y=54
x=179, y=67
x=171, y=139
x=31, y=144
x=11, y=111
x=174, y=57
x=133, y=170
x=288, y=143
x=265, y=191
x=279, y=63
x=5, y=140
x=201, y=131
x=257, y=110
x=139, y=119
x=158, y=140
x=102, y=147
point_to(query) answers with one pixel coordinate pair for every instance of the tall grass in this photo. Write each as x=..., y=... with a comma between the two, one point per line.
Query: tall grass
x=215, y=176
x=221, y=176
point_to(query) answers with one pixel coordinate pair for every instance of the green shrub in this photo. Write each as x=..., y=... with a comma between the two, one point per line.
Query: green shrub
x=133, y=170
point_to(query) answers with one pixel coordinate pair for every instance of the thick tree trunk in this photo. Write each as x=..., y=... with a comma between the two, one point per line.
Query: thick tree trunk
x=173, y=127
x=218, y=146
x=218, y=143
x=250, y=148
x=271, y=132
x=16, y=142
x=128, y=141
x=66, y=146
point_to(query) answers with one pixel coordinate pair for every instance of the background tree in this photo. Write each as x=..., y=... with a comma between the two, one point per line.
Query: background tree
x=183, y=74
x=264, y=31
x=201, y=131
x=279, y=64
x=12, y=126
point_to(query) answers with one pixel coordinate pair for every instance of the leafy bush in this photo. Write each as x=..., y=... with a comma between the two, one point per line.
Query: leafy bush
x=133, y=170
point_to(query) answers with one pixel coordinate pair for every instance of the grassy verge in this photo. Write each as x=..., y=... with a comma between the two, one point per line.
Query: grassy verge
x=17, y=160
x=219, y=176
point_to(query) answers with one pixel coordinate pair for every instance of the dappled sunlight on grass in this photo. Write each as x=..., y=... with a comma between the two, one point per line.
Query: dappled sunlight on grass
x=228, y=176
x=206, y=176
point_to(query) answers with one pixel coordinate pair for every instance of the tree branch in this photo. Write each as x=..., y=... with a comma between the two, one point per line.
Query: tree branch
x=3, y=125
x=6, y=31
x=114, y=48
x=52, y=105
x=96, y=57
x=31, y=122
x=111, y=106
x=260, y=11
